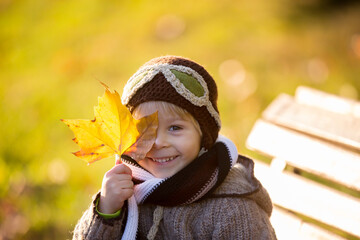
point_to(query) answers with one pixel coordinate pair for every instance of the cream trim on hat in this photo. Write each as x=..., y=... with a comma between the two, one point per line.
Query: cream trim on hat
x=147, y=73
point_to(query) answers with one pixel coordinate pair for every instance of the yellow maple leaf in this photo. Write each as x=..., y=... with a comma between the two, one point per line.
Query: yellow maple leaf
x=113, y=131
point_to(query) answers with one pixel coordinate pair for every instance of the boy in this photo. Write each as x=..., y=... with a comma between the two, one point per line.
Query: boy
x=192, y=184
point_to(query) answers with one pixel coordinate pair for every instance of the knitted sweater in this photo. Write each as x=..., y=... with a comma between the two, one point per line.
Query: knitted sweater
x=238, y=209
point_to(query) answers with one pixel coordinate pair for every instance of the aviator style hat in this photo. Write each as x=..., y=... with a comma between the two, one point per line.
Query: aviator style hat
x=179, y=81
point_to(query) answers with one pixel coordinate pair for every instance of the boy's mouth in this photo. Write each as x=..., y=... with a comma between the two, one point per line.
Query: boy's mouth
x=162, y=160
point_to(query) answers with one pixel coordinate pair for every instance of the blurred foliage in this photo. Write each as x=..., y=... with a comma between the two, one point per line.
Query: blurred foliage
x=54, y=53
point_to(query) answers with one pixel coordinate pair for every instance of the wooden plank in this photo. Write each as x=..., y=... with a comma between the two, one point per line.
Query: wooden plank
x=313, y=200
x=310, y=231
x=288, y=226
x=310, y=154
x=330, y=102
x=340, y=128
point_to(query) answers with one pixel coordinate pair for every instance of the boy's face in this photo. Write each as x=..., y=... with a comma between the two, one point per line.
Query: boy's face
x=176, y=145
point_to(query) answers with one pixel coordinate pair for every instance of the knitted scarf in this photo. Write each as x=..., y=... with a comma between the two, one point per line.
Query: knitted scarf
x=194, y=182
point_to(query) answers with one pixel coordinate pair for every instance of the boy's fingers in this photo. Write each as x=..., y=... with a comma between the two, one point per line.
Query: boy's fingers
x=128, y=193
x=126, y=184
x=125, y=178
x=120, y=169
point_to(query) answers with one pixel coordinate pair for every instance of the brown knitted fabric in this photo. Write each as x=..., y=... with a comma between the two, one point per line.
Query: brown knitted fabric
x=239, y=209
x=159, y=89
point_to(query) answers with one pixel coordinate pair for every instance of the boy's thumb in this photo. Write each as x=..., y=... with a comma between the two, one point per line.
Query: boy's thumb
x=117, y=159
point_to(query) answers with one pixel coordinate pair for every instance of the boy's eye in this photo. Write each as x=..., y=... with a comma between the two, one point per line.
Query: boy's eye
x=174, y=128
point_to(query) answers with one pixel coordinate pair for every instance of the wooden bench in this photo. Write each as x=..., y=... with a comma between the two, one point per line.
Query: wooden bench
x=313, y=143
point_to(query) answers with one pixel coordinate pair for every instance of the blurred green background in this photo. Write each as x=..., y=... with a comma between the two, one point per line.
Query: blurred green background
x=54, y=53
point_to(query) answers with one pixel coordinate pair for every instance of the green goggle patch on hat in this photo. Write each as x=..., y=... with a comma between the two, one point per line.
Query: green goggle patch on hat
x=189, y=82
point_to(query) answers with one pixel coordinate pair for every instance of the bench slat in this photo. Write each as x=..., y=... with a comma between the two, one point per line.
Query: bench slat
x=340, y=128
x=326, y=101
x=311, y=199
x=310, y=154
x=297, y=229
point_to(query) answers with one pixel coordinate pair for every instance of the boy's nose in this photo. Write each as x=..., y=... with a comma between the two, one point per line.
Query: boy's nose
x=160, y=140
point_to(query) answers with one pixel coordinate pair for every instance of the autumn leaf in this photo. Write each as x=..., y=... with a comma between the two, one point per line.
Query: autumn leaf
x=113, y=131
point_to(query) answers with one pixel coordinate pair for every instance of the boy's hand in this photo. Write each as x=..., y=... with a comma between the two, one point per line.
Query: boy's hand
x=116, y=188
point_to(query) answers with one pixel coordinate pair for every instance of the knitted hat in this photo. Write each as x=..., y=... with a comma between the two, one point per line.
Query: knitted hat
x=179, y=81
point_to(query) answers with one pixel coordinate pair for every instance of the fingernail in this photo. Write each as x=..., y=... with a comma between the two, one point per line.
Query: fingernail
x=117, y=159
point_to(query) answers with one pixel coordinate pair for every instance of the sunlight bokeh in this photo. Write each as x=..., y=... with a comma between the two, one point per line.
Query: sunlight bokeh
x=54, y=53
